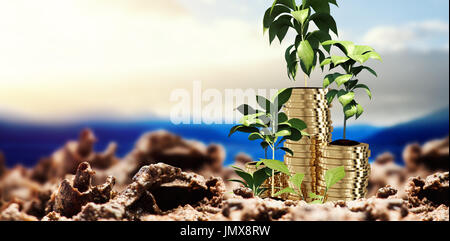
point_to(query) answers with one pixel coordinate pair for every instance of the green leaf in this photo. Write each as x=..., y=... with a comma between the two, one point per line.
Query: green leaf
x=320, y=6
x=314, y=196
x=276, y=165
x=336, y=77
x=317, y=37
x=326, y=61
x=297, y=180
x=264, y=103
x=287, y=54
x=316, y=202
x=357, y=70
x=350, y=110
x=329, y=79
x=321, y=57
x=301, y=15
x=246, y=109
x=331, y=95
x=324, y=22
x=279, y=28
x=239, y=181
x=287, y=150
x=255, y=136
x=345, y=97
x=264, y=144
x=342, y=79
x=339, y=59
x=297, y=124
x=346, y=46
x=372, y=55
x=282, y=97
x=333, y=176
x=248, y=178
x=242, y=128
x=282, y=117
x=285, y=190
x=365, y=87
x=287, y=3
x=362, y=49
x=283, y=131
x=251, y=119
x=359, y=110
x=307, y=56
x=260, y=176
x=296, y=135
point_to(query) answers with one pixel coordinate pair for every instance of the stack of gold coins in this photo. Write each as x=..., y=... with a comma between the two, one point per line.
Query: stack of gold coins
x=280, y=180
x=311, y=106
x=355, y=160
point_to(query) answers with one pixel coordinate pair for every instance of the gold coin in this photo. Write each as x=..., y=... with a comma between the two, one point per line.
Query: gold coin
x=344, y=194
x=301, y=155
x=353, y=168
x=307, y=113
x=359, y=165
x=343, y=185
x=342, y=182
x=306, y=163
x=349, y=176
x=349, y=170
x=359, y=147
x=317, y=104
x=342, y=189
x=296, y=90
x=345, y=155
x=302, y=148
x=304, y=170
x=341, y=162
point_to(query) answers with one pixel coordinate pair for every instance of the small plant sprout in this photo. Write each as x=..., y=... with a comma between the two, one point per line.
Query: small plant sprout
x=352, y=64
x=296, y=179
x=270, y=125
x=305, y=51
x=253, y=180
x=332, y=176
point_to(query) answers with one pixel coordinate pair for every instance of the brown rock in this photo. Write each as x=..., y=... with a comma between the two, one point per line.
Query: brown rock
x=386, y=192
x=157, y=189
x=71, y=196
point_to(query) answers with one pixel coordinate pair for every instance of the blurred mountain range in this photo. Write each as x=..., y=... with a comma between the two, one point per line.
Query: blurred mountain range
x=26, y=142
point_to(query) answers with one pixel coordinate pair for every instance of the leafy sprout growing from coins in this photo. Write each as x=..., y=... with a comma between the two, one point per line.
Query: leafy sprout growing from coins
x=352, y=63
x=253, y=180
x=270, y=125
x=284, y=15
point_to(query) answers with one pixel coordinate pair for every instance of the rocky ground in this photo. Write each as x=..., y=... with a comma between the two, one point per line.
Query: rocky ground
x=168, y=178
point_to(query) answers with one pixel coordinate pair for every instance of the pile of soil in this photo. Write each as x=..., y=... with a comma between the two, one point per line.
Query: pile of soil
x=154, y=182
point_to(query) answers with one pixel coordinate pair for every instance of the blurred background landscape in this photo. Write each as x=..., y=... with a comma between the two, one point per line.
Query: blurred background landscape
x=111, y=66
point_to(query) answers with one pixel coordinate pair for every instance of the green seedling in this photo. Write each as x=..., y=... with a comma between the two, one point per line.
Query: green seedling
x=296, y=179
x=253, y=180
x=270, y=125
x=352, y=63
x=284, y=15
x=332, y=177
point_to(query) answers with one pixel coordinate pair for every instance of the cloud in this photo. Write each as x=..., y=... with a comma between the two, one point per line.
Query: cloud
x=61, y=58
x=423, y=36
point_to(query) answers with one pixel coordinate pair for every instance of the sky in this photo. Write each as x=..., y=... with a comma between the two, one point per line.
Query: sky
x=64, y=60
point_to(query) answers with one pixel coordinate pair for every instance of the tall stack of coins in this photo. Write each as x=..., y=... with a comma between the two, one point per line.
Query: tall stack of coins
x=355, y=160
x=280, y=180
x=311, y=106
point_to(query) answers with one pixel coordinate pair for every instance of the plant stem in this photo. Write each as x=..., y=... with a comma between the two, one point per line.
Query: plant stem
x=273, y=173
x=345, y=126
x=306, y=80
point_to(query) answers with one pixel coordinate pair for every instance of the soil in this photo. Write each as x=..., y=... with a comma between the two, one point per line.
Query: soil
x=148, y=185
x=343, y=142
